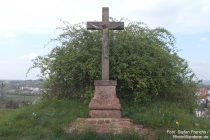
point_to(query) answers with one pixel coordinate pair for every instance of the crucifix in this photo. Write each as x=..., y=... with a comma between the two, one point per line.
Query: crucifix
x=105, y=26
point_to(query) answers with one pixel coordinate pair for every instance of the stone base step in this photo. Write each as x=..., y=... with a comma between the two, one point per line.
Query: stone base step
x=108, y=125
x=105, y=114
x=100, y=125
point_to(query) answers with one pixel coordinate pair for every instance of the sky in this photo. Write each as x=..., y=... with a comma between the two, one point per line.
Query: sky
x=26, y=27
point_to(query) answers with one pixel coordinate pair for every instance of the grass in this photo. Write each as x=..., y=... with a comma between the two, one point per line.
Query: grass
x=47, y=119
x=17, y=97
x=4, y=113
x=164, y=116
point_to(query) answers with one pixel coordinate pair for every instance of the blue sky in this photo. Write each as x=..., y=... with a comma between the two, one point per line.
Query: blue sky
x=26, y=26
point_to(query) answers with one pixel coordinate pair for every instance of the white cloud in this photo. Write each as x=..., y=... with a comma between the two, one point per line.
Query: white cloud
x=181, y=16
x=185, y=16
x=29, y=56
x=204, y=39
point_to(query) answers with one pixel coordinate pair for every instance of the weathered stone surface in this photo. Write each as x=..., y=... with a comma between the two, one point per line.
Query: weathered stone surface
x=100, y=25
x=105, y=89
x=105, y=113
x=101, y=125
x=105, y=103
x=105, y=82
x=105, y=26
x=110, y=125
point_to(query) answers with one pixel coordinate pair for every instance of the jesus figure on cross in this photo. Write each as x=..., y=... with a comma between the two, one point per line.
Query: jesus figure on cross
x=105, y=26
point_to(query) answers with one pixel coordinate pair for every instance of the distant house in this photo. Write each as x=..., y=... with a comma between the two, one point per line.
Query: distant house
x=208, y=96
x=31, y=90
x=202, y=92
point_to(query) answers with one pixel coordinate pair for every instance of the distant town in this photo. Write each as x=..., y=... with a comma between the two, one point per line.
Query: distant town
x=18, y=93
x=30, y=87
x=29, y=90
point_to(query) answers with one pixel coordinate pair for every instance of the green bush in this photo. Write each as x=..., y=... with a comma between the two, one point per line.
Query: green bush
x=144, y=62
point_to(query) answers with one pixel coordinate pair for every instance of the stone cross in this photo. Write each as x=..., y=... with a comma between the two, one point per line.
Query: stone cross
x=105, y=26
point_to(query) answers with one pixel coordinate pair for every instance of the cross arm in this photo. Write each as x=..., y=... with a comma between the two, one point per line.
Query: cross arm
x=94, y=25
x=101, y=25
x=116, y=25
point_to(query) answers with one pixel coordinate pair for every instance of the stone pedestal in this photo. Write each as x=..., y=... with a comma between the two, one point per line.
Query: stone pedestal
x=105, y=113
x=105, y=103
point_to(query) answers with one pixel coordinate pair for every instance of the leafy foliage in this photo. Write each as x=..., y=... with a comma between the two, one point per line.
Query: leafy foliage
x=144, y=62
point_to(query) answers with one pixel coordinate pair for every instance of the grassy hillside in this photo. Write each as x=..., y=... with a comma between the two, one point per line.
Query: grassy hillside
x=165, y=116
x=46, y=120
